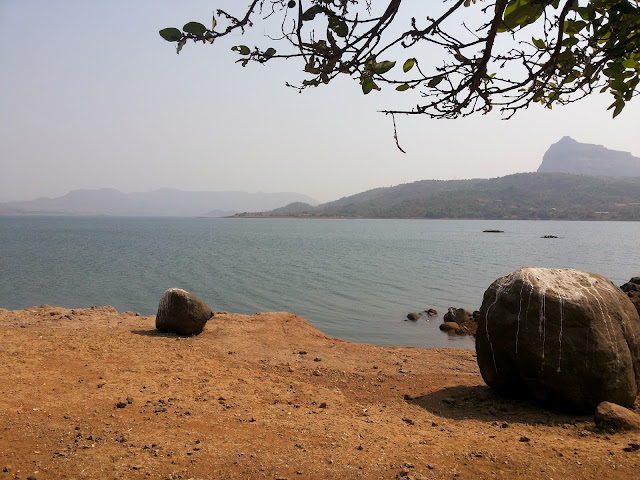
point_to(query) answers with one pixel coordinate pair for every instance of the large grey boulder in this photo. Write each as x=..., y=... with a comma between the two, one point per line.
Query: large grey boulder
x=567, y=338
x=182, y=313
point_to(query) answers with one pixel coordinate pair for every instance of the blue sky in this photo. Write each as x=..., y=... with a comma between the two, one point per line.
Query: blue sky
x=92, y=97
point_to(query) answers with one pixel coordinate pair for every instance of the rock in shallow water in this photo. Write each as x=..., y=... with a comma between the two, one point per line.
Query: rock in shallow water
x=567, y=338
x=182, y=313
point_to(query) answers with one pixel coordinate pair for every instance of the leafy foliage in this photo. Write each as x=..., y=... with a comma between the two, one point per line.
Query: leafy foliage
x=517, y=53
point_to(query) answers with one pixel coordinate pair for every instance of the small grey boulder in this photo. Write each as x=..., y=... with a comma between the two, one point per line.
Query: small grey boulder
x=182, y=313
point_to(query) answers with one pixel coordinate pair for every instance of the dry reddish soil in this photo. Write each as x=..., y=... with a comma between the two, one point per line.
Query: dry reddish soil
x=91, y=393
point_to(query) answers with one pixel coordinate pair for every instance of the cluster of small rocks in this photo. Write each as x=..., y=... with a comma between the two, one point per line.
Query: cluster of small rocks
x=632, y=289
x=460, y=321
x=432, y=312
x=456, y=321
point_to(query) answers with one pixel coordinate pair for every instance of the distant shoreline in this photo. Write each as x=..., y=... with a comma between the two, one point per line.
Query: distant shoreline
x=336, y=217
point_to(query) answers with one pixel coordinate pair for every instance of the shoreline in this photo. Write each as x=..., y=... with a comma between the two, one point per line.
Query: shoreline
x=94, y=393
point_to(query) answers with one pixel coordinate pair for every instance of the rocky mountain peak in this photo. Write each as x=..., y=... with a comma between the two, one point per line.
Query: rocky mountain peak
x=570, y=156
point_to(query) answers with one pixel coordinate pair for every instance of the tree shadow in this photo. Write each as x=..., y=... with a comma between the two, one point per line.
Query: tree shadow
x=479, y=402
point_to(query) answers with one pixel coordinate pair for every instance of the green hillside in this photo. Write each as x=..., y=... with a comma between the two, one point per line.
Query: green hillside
x=543, y=196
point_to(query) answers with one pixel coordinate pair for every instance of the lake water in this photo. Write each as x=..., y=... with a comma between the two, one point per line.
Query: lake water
x=353, y=279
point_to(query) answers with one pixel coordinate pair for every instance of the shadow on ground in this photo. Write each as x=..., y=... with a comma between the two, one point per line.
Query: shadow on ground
x=480, y=402
x=156, y=333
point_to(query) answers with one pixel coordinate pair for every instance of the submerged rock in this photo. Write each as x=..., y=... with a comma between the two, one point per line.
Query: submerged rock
x=413, y=316
x=567, y=338
x=182, y=313
x=452, y=327
x=458, y=315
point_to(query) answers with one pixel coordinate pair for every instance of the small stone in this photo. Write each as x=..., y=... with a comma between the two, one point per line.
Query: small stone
x=450, y=327
x=525, y=439
x=408, y=421
x=129, y=400
x=413, y=316
x=323, y=405
x=121, y=404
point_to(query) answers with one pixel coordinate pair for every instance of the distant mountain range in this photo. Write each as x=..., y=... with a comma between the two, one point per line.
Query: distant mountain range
x=163, y=202
x=575, y=181
x=545, y=196
x=569, y=156
x=570, y=184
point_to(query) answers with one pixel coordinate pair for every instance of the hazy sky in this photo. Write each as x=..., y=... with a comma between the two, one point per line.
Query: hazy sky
x=92, y=97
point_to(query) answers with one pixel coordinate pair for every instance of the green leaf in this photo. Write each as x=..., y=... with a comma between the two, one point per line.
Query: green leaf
x=403, y=87
x=383, y=67
x=194, y=28
x=339, y=26
x=629, y=63
x=520, y=13
x=619, y=105
x=241, y=49
x=270, y=52
x=572, y=27
x=570, y=42
x=171, y=34
x=368, y=84
x=618, y=84
x=539, y=43
x=408, y=65
x=435, y=81
x=311, y=13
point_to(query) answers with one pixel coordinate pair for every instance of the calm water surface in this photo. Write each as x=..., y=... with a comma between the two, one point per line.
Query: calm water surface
x=353, y=279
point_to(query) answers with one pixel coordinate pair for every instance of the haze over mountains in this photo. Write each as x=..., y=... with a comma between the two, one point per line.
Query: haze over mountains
x=574, y=181
x=163, y=202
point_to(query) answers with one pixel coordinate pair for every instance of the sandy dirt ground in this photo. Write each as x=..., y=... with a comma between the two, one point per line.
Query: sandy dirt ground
x=93, y=393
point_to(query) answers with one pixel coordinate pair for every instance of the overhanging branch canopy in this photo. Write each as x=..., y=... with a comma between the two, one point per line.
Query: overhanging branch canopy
x=520, y=52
